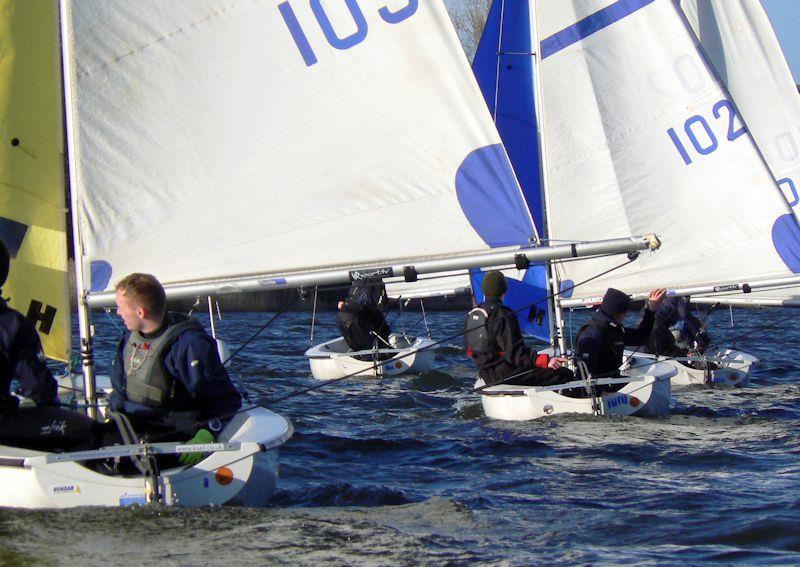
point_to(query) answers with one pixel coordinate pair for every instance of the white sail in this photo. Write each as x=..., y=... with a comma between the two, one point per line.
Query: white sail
x=221, y=139
x=639, y=132
x=740, y=43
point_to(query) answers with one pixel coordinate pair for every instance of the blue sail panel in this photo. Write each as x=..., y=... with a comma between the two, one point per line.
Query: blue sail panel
x=503, y=66
x=528, y=297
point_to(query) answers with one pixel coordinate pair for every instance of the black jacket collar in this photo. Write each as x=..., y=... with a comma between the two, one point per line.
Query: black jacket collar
x=603, y=319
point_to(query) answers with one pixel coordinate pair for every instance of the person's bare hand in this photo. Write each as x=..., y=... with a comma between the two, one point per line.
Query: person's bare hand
x=556, y=362
x=655, y=298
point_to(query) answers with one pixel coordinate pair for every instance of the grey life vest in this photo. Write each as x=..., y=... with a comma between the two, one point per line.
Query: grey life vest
x=146, y=380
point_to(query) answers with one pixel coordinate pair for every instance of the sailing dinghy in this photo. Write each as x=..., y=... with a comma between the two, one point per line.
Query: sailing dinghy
x=242, y=468
x=740, y=44
x=634, y=136
x=644, y=391
x=403, y=355
x=726, y=367
x=242, y=465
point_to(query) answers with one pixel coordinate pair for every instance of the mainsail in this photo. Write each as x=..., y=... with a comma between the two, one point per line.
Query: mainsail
x=221, y=139
x=32, y=209
x=638, y=131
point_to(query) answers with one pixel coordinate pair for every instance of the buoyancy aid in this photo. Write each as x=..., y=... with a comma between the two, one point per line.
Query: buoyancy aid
x=146, y=379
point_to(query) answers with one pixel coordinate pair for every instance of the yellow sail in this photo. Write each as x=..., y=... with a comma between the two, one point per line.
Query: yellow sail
x=32, y=193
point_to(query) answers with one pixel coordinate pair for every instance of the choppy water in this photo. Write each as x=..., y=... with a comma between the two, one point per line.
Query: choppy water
x=409, y=471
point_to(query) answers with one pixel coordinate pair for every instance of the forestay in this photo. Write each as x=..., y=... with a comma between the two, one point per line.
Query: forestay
x=32, y=209
x=638, y=133
x=221, y=139
x=740, y=43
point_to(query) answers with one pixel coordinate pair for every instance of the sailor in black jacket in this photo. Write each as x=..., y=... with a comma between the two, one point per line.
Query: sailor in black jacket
x=601, y=343
x=361, y=316
x=43, y=426
x=505, y=358
x=676, y=312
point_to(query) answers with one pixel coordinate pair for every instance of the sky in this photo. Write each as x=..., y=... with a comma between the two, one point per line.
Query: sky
x=785, y=18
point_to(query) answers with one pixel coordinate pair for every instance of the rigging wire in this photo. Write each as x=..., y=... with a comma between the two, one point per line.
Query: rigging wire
x=425, y=318
x=313, y=315
x=302, y=391
x=280, y=312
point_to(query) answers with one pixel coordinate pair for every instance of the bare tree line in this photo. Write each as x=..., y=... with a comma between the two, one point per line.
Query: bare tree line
x=469, y=18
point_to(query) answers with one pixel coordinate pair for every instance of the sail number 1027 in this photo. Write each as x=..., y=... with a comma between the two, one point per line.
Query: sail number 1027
x=702, y=137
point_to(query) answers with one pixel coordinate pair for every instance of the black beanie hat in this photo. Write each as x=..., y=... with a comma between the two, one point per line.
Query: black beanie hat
x=615, y=302
x=494, y=284
x=5, y=260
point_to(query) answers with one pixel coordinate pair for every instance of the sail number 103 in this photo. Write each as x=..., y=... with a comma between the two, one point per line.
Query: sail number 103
x=702, y=136
x=344, y=41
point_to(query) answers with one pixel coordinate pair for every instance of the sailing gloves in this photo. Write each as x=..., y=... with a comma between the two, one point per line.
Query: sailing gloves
x=202, y=437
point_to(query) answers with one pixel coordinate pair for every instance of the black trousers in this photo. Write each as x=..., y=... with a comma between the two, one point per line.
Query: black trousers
x=540, y=377
x=358, y=330
x=44, y=428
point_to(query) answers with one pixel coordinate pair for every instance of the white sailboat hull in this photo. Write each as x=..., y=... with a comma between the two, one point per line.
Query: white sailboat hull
x=246, y=476
x=727, y=367
x=332, y=359
x=647, y=395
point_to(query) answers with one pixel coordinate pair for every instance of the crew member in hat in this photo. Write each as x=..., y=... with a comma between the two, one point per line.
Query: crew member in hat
x=601, y=343
x=494, y=341
x=43, y=426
